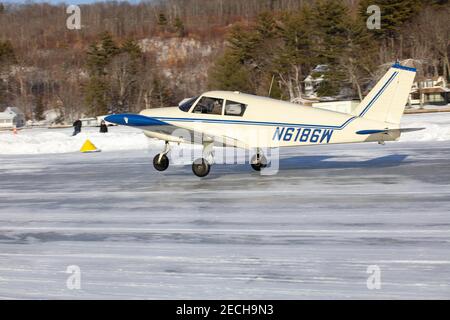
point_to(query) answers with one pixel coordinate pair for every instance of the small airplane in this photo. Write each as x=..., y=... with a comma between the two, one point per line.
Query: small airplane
x=252, y=122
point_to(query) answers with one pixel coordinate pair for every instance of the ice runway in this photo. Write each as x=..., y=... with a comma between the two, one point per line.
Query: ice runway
x=311, y=231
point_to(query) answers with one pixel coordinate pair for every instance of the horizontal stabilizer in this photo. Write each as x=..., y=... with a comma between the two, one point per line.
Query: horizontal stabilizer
x=410, y=129
x=375, y=131
x=364, y=132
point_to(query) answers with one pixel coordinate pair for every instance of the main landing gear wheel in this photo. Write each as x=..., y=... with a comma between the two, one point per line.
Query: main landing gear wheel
x=161, y=164
x=258, y=161
x=201, y=167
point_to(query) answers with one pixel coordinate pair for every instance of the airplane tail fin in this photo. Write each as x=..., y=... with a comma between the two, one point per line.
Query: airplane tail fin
x=387, y=100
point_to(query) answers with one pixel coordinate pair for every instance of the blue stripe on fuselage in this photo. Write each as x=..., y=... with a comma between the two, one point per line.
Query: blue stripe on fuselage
x=259, y=123
x=284, y=131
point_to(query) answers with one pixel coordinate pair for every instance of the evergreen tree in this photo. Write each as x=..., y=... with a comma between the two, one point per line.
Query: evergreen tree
x=292, y=58
x=228, y=73
x=438, y=2
x=96, y=60
x=393, y=14
x=96, y=96
x=162, y=21
x=39, y=108
x=7, y=55
x=265, y=26
x=123, y=77
x=99, y=57
x=242, y=44
x=328, y=18
x=134, y=52
x=179, y=27
x=237, y=69
x=329, y=30
x=358, y=60
x=7, y=59
x=160, y=96
x=100, y=54
x=108, y=45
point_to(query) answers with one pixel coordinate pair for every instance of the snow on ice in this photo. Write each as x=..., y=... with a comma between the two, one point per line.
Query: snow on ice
x=311, y=231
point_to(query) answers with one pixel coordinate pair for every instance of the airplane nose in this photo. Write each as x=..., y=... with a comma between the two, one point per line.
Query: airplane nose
x=134, y=120
x=117, y=119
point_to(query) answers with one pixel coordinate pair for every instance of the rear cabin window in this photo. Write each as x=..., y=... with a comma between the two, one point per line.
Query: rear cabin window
x=233, y=108
x=209, y=105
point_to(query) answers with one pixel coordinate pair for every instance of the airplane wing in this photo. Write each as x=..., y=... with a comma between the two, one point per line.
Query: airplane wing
x=149, y=123
x=211, y=135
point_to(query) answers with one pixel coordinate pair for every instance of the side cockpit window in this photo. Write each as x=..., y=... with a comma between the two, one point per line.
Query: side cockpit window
x=209, y=105
x=233, y=108
x=186, y=105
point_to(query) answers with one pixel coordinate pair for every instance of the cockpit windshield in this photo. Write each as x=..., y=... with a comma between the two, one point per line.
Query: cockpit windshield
x=186, y=105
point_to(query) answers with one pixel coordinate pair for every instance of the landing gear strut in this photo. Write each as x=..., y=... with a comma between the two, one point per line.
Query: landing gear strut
x=161, y=161
x=258, y=161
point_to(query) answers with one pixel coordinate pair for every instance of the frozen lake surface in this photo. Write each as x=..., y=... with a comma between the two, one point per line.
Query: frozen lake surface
x=310, y=231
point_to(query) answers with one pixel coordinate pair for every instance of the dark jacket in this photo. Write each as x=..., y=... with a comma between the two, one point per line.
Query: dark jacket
x=77, y=124
x=103, y=128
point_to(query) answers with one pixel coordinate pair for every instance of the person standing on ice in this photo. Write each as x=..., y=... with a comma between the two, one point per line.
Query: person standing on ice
x=103, y=127
x=77, y=127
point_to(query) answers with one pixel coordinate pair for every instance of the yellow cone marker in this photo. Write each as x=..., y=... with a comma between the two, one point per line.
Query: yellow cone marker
x=88, y=146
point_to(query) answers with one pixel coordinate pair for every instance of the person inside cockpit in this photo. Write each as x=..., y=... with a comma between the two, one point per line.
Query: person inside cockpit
x=209, y=106
x=217, y=107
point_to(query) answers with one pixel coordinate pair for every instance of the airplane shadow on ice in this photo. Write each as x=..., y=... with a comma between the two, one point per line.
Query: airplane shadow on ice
x=312, y=163
x=305, y=163
x=325, y=162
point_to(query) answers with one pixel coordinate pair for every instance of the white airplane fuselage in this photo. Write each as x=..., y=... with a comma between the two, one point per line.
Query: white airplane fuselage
x=267, y=123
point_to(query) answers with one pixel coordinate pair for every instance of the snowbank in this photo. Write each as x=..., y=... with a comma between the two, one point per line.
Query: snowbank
x=437, y=127
x=41, y=141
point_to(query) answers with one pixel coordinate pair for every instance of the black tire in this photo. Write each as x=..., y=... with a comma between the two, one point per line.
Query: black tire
x=201, y=167
x=258, y=161
x=161, y=165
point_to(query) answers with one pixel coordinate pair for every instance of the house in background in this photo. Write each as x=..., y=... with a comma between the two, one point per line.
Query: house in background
x=12, y=117
x=90, y=122
x=314, y=79
x=429, y=91
x=343, y=106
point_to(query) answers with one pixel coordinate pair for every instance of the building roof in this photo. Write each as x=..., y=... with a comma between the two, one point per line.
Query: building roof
x=10, y=113
x=432, y=90
x=14, y=109
x=433, y=78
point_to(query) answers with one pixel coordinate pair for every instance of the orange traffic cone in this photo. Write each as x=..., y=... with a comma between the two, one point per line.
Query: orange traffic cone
x=14, y=130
